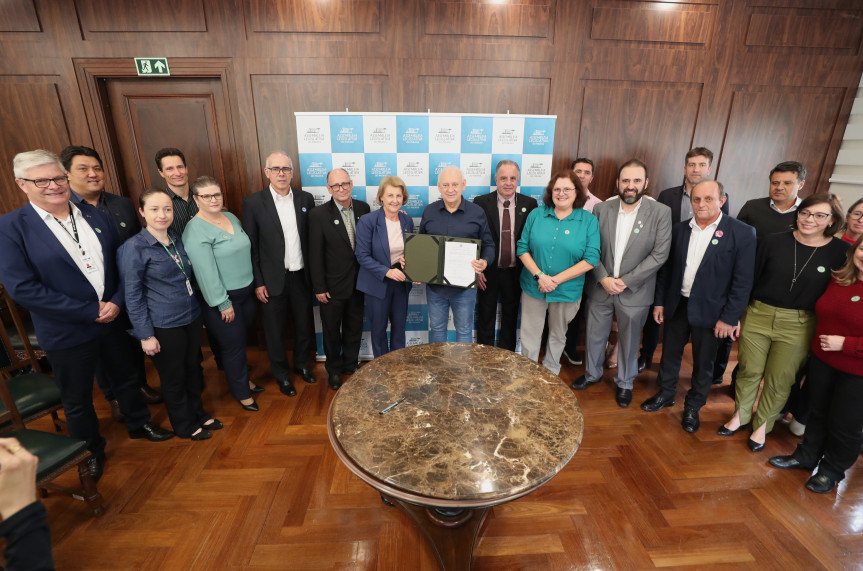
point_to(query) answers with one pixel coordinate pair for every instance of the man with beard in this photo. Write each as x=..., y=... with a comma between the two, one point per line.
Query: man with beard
x=636, y=237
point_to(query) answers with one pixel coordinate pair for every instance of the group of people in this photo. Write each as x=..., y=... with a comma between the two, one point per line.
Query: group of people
x=777, y=278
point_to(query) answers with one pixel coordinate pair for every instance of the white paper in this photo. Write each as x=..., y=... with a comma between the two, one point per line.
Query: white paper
x=458, y=270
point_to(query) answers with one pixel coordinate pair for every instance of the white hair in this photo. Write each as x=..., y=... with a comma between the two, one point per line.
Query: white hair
x=30, y=159
x=267, y=163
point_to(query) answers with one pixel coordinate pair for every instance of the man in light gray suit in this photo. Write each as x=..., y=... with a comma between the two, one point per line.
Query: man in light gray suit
x=636, y=238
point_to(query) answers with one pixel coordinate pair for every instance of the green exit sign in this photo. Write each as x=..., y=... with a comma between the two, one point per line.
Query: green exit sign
x=152, y=66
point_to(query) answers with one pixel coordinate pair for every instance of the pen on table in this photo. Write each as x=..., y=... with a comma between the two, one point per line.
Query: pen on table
x=392, y=406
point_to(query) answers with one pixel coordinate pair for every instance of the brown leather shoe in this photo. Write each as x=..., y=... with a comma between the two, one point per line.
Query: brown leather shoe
x=150, y=395
x=115, y=411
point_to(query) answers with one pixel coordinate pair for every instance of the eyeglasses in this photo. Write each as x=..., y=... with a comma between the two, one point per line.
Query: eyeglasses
x=210, y=197
x=46, y=182
x=856, y=215
x=562, y=190
x=340, y=186
x=819, y=216
x=283, y=170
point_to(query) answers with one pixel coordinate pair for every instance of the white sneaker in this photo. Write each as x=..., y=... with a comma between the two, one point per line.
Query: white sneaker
x=796, y=428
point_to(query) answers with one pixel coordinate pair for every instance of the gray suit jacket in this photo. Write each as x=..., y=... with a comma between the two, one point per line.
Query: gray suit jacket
x=646, y=250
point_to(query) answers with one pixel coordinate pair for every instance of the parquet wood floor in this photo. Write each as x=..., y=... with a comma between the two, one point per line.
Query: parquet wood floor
x=268, y=492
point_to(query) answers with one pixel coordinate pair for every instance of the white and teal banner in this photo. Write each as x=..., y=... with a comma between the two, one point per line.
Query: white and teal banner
x=416, y=147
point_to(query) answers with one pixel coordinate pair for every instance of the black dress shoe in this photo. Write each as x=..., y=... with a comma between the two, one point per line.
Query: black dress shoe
x=642, y=364
x=202, y=435
x=256, y=389
x=574, y=358
x=150, y=395
x=96, y=465
x=690, y=422
x=307, y=375
x=789, y=463
x=582, y=383
x=728, y=432
x=755, y=446
x=623, y=397
x=820, y=483
x=152, y=432
x=116, y=414
x=656, y=402
x=251, y=407
x=287, y=387
x=335, y=380
x=213, y=424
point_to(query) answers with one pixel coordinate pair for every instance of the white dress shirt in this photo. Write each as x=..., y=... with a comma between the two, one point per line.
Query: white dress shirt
x=288, y=219
x=86, y=253
x=625, y=221
x=698, y=242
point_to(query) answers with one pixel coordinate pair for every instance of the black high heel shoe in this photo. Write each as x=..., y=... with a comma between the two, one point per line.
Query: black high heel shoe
x=728, y=432
x=250, y=407
x=256, y=389
x=202, y=435
x=755, y=446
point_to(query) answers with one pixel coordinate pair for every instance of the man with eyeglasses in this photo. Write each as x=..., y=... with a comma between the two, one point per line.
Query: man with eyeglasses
x=87, y=181
x=454, y=216
x=333, y=268
x=277, y=222
x=171, y=163
x=58, y=262
x=777, y=211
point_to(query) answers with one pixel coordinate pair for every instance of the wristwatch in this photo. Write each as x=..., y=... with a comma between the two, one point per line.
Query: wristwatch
x=536, y=275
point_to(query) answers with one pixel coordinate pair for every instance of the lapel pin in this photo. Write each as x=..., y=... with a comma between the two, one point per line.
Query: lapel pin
x=718, y=234
x=523, y=209
x=855, y=298
x=821, y=269
x=303, y=209
x=97, y=230
x=336, y=222
x=122, y=224
x=636, y=231
x=714, y=241
x=566, y=231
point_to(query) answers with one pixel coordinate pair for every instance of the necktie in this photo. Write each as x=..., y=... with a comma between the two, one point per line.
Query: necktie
x=506, y=237
x=349, y=226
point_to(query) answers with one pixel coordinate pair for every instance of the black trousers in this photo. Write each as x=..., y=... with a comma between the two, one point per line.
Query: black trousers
x=834, y=429
x=105, y=383
x=74, y=369
x=502, y=284
x=296, y=297
x=704, y=343
x=650, y=339
x=177, y=363
x=231, y=338
x=342, y=328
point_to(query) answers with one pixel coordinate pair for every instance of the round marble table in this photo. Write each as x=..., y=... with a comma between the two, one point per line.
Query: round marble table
x=478, y=426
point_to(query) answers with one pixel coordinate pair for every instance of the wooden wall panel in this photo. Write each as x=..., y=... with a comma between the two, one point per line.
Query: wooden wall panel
x=806, y=28
x=313, y=16
x=278, y=96
x=516, y=19
x=654, y=22
x=19, y=16
x=149, y=16
x=647, y=120
x=453, y=94
x=32, y=118
x=768, y=125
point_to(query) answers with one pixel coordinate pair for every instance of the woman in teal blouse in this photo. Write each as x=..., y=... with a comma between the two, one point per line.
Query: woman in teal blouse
x=559, y=244
x=221, y=254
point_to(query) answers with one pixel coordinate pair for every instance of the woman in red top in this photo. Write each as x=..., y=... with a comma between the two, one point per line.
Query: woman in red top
x=835, y=427
x=854, y=222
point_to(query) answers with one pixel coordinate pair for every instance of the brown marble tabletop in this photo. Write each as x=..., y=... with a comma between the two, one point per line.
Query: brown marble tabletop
x=478, y=425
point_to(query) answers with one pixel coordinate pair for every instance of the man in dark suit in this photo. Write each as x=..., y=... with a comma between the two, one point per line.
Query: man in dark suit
x=696, y=167
x=58, y=262
x=506, y=211
x=276, y=220
x=701, y=291
x=87, y=180
x=333, y=268
x=635, y=234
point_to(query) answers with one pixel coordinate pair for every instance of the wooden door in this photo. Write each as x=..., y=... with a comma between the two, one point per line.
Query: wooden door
x=188, y=114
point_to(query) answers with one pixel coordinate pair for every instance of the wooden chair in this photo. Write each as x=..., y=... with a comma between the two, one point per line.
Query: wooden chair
x=35, y=393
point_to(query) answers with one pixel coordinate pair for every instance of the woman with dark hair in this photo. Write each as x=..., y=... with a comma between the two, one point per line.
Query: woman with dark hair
x=380, y=253
x=221, y=253
x=792, y=270
x=854, y=222
x=835, y=428
x=558, y=245
x=165, y=314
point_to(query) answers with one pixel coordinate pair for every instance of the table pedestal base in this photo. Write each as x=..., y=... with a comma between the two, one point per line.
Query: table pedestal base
x=451, y=532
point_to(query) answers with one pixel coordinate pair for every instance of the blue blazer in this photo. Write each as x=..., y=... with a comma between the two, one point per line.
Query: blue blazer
x=724, y=279
x=373, y=251
x=42, y=277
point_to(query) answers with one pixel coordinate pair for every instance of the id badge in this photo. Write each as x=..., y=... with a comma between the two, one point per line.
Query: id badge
x=89, y=264
x=189, y=288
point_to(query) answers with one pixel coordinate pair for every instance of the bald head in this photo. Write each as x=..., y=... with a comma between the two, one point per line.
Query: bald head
x=451, y=184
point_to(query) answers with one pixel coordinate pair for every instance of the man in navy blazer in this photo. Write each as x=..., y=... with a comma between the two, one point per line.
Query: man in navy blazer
x=701, y=292
x=58, y=262
x=500, y=279
x=333, y=268
x=276, y=221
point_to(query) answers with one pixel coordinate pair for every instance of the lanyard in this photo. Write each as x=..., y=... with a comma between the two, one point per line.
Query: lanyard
x=178, y=259
x=74, y=233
